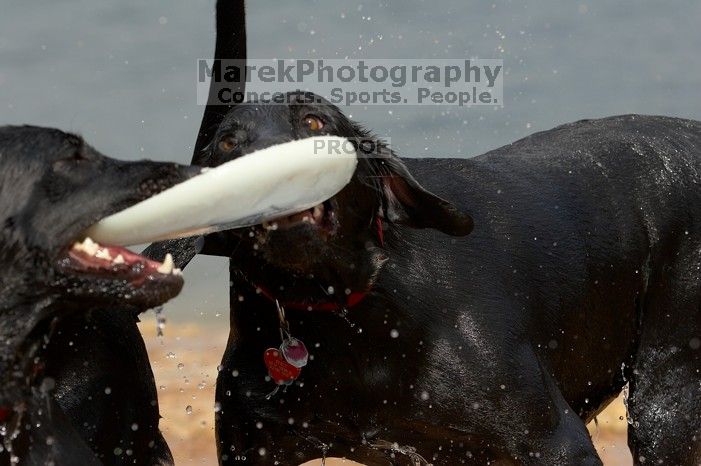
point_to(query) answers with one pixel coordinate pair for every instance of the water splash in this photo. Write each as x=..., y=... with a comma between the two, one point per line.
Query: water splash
x=626, y=394
x=406, y=450
x=344, y=315
x=160, y=321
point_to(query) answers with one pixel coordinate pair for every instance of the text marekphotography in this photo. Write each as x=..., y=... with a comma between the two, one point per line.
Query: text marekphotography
x=461, y=82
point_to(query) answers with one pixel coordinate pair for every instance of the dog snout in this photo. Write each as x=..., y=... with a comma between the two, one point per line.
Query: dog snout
x=166, y=176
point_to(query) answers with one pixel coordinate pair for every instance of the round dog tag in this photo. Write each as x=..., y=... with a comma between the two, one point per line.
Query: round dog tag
x=295, y=352
x=280, y=370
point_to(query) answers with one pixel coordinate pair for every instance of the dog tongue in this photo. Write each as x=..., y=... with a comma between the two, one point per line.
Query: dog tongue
x=274, y=182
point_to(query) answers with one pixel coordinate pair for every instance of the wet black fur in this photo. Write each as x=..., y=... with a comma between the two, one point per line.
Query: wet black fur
x=60, y=350
x=581, y=275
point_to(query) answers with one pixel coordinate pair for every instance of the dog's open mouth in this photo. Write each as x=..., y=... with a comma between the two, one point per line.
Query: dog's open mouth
x=321, y=216
x=118, y=263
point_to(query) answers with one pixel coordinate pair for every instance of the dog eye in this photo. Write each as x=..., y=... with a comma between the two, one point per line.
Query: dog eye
x=227, y=144
x=313, y=122
x=75, y=157
x=70, y=162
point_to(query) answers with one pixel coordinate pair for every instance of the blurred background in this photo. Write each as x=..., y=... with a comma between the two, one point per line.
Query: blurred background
x=123, y=75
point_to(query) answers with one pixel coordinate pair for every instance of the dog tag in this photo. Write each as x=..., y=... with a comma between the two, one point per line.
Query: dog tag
x=280, y=370
x=295, y=352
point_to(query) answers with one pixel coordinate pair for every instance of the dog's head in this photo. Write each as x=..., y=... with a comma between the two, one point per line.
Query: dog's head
x=52, y=187
x=336, y=248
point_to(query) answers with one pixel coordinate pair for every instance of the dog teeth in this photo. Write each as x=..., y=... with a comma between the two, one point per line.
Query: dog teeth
x=167, y=266
x=103, y=254
x=270, y=225
x=318, y=211
x=312, y=216
x=91, y=248
x=88, y=246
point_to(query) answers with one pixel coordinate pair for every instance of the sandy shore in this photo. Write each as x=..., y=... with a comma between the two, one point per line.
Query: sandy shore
x=185, y=364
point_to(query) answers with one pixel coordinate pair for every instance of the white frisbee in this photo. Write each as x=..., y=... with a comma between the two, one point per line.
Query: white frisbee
x=274, y=182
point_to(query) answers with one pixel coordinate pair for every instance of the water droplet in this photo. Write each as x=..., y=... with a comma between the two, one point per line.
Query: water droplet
x=160, y=321
x=188, y=409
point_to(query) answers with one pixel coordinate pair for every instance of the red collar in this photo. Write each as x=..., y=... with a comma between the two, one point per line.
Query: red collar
x=351, y=300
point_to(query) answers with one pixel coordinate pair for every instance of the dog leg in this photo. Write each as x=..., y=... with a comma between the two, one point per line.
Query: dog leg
x=665, y=409
x=537, y=426
x=105, y=386
x=665, y=387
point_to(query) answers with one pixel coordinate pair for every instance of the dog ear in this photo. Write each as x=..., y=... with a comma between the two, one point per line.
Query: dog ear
x=408, y=203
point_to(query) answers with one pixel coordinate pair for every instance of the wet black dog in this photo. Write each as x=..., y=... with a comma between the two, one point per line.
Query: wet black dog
x=581, y=275
x=75, y=383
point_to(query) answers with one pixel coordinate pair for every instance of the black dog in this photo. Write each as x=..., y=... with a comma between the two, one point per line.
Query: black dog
x=75, y=383
x=581, y=275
